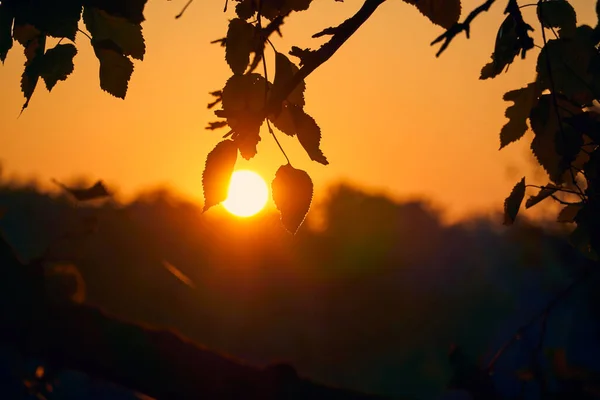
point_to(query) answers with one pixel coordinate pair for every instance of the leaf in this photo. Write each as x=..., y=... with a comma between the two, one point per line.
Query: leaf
x=513, y=202
x=58, y=18
x=94, y=192
x=569, y=213
x=125, y=34
x=543, y=194
x=34, y=53
x=217, y=173
x=570, y=74
x=309, y=134
x=292, y=194
x=57, y=64
x=245, y=9
x=523, y=99
x=557, y=14
x=239, y=44
x=6, y=23
x=553, y=151
x=444, y=13
x=284, y=72
x=132, y=10
x=115, y=68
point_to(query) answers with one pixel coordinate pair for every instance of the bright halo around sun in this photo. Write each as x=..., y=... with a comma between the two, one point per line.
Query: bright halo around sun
x=248, y=193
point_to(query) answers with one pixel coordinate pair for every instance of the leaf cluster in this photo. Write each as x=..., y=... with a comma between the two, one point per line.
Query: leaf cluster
x=115, y=34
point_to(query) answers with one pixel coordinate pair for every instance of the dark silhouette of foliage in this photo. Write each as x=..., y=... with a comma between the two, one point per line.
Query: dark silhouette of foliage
x=292, y=194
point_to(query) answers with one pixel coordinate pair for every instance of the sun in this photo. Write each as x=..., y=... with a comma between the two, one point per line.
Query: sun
x=248, y=193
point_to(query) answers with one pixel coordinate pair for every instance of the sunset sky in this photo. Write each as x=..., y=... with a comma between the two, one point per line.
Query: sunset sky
x=394, y=117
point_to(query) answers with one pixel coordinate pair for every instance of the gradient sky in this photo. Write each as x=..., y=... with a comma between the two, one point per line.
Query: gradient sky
x=394, y=117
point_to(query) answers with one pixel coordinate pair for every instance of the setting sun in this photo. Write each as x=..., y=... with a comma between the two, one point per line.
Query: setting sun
x=248, y=194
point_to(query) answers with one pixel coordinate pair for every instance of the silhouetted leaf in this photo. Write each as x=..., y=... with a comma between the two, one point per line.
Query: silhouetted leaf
x=309, y=134
x=544, y=193
x=34, y=53
x=6, y=23
x=513, y=202
x=284, y=121
x=508, y=45
x=216, y=125
x=25, y=33
x=284, y=71
x=94, y=192
x=132, y=10
x=444, y=13
x=125, y=34
x=549, y=137
x=569, y=59
x=115, y=68
x=239, y=44
x=217, y=173
x=57, y=64
x=271, y=9
x=292, y=193
x=557, y=14
x=568, y=213
x=245, y=9
x=518, y=113
x=57, y=18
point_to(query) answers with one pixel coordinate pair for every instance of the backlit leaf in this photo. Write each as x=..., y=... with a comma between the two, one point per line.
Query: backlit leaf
x=309, y=134
x=125, y=34
x=58, y=18
x=523, y=99
x=34, y=53
x=57, y=64
x=513, y=202
x=544, y=193
x=6, y=23
x=292, y=193
x=239, y=44
x=217, y=173
x=557, y=14
x=549, y=138
x=284, y=71
x=568, y=213
x=132, y=10
x=115, y=68
x=94, y=192
x=444, y=13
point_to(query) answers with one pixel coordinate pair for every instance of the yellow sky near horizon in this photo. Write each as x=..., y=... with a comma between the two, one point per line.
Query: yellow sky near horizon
x=394, y=118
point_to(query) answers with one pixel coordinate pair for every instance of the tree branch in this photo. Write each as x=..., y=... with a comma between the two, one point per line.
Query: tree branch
x=314, y=58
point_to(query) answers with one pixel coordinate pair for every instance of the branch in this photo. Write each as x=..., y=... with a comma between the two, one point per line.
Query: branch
x=461, y=26
x=324, y=53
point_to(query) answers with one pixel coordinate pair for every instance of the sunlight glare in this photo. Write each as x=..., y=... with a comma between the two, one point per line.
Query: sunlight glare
x=248, y=194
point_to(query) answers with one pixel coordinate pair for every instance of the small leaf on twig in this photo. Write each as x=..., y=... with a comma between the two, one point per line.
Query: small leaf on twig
x=292, y=193
x=513, y=202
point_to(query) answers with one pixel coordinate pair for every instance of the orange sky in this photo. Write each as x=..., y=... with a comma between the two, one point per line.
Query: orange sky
x=394, y=118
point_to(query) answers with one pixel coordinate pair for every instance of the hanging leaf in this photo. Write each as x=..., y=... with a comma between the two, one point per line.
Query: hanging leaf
x=239, y=44
x=517, y=114
x=132, y=10
x=569, y=213
x=506, y=48
x=115, y=68
x=544, y=193
x=309, y=134
x=553, y=147
x=6, y=24
x=557, y=14
x=444, y=13
x=125, y=34
x=513, y=202
x=94, y=192
x=57, y=64
x=570, y=74
x=34, y=53
x=217, y=173
x=292, y=193
x=284, y=71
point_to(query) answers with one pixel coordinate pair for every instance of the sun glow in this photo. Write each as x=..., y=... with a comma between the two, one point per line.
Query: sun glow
x=248, y=194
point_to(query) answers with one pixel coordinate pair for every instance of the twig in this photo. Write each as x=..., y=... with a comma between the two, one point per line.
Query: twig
x=461, y=26
x=183, y=9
